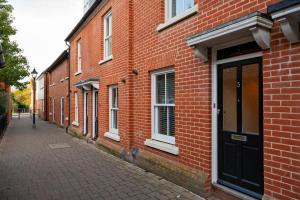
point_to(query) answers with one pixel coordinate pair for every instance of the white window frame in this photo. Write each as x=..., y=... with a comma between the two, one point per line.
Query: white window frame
x=76, y=107
x=105, y=48
x=79, y=56
x=155, y=135
x=168, y=9
x=111, y=129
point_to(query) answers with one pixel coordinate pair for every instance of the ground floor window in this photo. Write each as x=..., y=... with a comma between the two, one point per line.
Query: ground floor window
x=113, y=109
x=76, y=107
x=163, y=106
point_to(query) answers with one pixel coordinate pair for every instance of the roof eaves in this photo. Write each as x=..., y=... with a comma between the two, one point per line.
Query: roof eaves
x=83, y=19
x=61, y=58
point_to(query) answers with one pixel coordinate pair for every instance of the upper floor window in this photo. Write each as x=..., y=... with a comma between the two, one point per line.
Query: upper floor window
x=79, y=56
x=174, y=8
x=107, y=35
x=163, y=106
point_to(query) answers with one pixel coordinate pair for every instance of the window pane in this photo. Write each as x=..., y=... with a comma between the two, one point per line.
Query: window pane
x=229, y=99
x=188, y=4
x=114, y=115
x=107, y=26
x=114, y=98
x=160, y=89
x=172, y=121
x=109, y=47
x=110, y=25
x=161, y=120
x=171, y=88
x=179, y=6
x=251, y=99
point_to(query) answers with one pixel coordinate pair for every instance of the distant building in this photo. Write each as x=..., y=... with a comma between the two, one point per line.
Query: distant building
x=41, y=91
x=87, y=5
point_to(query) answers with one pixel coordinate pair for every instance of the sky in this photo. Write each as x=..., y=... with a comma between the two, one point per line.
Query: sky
x=42, y=28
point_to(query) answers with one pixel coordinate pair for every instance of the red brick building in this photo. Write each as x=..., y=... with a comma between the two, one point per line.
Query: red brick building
x=204, y=93
x=57, y=98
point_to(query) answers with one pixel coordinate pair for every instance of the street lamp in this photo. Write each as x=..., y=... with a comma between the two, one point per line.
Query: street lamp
x=34, y=75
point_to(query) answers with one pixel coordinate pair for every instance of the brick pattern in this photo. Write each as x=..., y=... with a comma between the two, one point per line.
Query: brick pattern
x=81, y=172
x=282, y=118
x=110, y=73
x=58, y=88
x=137, y=45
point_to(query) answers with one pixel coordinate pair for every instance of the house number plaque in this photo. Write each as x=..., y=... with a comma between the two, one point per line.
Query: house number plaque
x=239, y=137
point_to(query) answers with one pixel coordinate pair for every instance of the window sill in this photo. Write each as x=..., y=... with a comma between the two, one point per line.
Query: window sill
x=77, y=73
x=172, y=149
x=105, y=60
x=75, y=123
x=178, y=18
x=112, y=136
x=62, y=80
x=67, y=78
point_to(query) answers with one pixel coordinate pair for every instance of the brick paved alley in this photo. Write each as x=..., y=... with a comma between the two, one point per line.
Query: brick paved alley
x=32, y=168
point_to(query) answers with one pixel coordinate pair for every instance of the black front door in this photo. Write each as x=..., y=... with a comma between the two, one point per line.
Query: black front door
x=96, y=115
x=240, y=131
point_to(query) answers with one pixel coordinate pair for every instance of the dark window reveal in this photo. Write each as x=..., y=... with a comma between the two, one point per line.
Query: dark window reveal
x=238, y=50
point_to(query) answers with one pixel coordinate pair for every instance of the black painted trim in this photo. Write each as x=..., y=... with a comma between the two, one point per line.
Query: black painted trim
x=282, y=5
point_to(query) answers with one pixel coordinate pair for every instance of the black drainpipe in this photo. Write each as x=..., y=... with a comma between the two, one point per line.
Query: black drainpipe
x=69, y=87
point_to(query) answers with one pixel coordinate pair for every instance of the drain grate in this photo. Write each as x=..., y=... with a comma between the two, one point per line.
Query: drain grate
x=59, y=146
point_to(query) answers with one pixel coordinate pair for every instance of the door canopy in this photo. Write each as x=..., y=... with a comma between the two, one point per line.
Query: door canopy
x=256, y=24
x=287, y=13
x=88, y=84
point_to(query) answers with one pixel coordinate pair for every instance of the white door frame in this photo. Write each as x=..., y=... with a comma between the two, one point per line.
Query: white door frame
x=85, y=112
x=215, y=63
x=94, y=113
x=62, y=99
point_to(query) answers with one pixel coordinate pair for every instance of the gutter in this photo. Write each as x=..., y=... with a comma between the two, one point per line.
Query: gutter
x=69, y=87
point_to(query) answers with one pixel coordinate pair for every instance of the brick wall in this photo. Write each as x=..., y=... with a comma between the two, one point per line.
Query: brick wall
x=138, y=45
x=109, y=73
x=58, y=88
x=282, y=118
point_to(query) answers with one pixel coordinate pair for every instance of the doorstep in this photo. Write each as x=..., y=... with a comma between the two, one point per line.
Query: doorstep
x=221, y=192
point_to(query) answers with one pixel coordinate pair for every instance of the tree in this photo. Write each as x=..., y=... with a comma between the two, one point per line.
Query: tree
x=16, y=65
x=22, y=98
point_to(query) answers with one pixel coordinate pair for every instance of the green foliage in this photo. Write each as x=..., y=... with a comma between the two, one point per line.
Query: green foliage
x=22, y=98
x=16, y=67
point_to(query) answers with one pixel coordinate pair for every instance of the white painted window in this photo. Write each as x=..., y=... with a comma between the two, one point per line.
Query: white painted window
x=79, y=61
x=108, y=35
x=175, y=8
x=76, y=107
x=163, y=106
x=113, y=109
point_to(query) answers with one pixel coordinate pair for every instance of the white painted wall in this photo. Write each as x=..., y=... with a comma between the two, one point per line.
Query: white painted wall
x=40, y=88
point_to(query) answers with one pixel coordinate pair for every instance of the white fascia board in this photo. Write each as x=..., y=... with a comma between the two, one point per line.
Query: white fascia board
x=239, y=26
